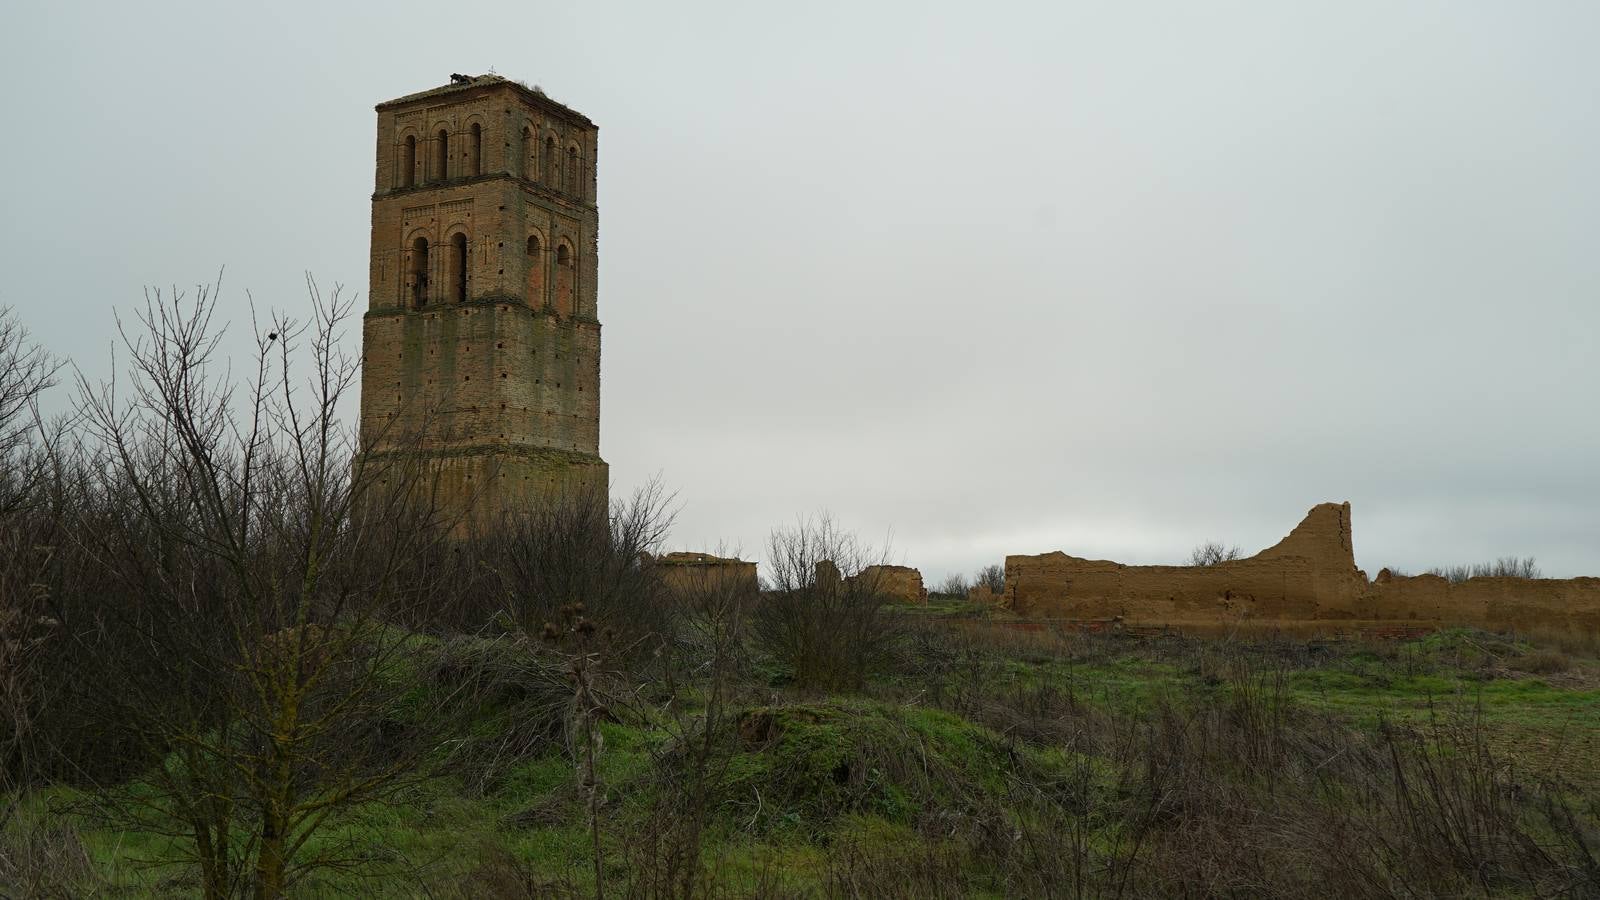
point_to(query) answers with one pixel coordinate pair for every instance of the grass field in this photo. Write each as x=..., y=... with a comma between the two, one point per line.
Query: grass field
x=986, y=761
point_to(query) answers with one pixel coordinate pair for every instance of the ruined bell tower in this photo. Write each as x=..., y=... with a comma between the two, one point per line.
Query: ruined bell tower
x=481, y=343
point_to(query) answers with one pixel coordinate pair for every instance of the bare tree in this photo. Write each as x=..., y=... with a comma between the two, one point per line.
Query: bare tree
x=1504, y=567
x=954, y=585
x=1211, y=552
x=570, y=547
x=582, y=646
x=245, y=651
x=26, y=372
x=701, y=672
x=993, y=577
x=824, y=617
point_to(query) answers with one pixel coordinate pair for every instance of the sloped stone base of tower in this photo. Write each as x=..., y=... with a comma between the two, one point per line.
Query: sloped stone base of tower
x=475, y=490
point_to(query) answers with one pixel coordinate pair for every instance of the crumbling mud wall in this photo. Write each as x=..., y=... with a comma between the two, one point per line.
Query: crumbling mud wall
x=982, y=593
x=685, y=573
x=1494, y=603
x=1309, y=576
x=899, y=583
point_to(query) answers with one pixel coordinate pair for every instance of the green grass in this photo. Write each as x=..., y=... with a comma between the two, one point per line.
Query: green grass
x=810, y=781
x=946, y=607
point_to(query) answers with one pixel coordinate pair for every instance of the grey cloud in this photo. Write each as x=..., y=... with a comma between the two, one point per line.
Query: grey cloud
x=1113, y=279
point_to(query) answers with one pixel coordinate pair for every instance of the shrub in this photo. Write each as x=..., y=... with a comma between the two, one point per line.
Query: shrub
x=993, y=577
x=1572, y=639
x=1542, y=662
x=1504, y=567
x=824, y=621
x=954, y=585
x=1211, y=552
x=573, y=547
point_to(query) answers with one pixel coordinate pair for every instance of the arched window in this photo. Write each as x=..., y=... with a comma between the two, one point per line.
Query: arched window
x=549, y=175
x=441, y=155
x=458, y=268
x=408, y=161
x=529, y=154
x=536, y=265
x=475, y=150
x=572, y=171
x=564, y=280
x=417, y=276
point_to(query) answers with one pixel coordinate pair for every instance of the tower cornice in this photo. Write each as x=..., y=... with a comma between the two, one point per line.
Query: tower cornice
x=483, y=84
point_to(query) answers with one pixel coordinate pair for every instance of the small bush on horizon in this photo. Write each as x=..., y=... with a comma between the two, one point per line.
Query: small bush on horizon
x=954, y=585
x=1212, y=552
x=1504, y=567
x=993, y=577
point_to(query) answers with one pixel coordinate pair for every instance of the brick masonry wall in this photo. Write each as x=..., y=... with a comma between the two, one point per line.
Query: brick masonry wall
x=501, y=382
x=480, y=374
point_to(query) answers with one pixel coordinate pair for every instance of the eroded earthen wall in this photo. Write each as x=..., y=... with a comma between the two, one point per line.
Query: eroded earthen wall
x=1494, y=603
x=687, y=573
x=900, y=583
x=1309, y=576
x=982, y=593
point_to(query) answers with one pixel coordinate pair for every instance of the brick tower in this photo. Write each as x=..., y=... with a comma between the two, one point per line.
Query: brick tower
x=481, y=343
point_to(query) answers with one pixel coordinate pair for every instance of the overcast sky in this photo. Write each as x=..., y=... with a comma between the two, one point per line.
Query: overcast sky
x=979, y=278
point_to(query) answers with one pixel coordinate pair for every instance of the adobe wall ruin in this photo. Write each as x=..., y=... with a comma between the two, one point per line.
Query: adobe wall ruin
x=897, y=583
x=982, y=593
x=1493, y=603
x=684, y=573
x=1308, y=577
x=900, y=583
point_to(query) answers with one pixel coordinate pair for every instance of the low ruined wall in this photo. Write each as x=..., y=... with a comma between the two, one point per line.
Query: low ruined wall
x=1309, y=576
x=901, y=583
x=684, y=573
x=1494, y=603
x=982, y=593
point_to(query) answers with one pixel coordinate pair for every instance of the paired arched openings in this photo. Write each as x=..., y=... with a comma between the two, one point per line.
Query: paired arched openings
x=441, y=155
x=417, y=273
x=457, y=270
x=408, y=161
x=544, y=162
x=566, y=278
x=536, y=264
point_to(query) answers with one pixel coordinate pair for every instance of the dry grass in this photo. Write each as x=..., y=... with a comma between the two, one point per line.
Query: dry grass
x=1543, y=661
x=1573, y=640
x=44, y=859
x=1244, y=791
